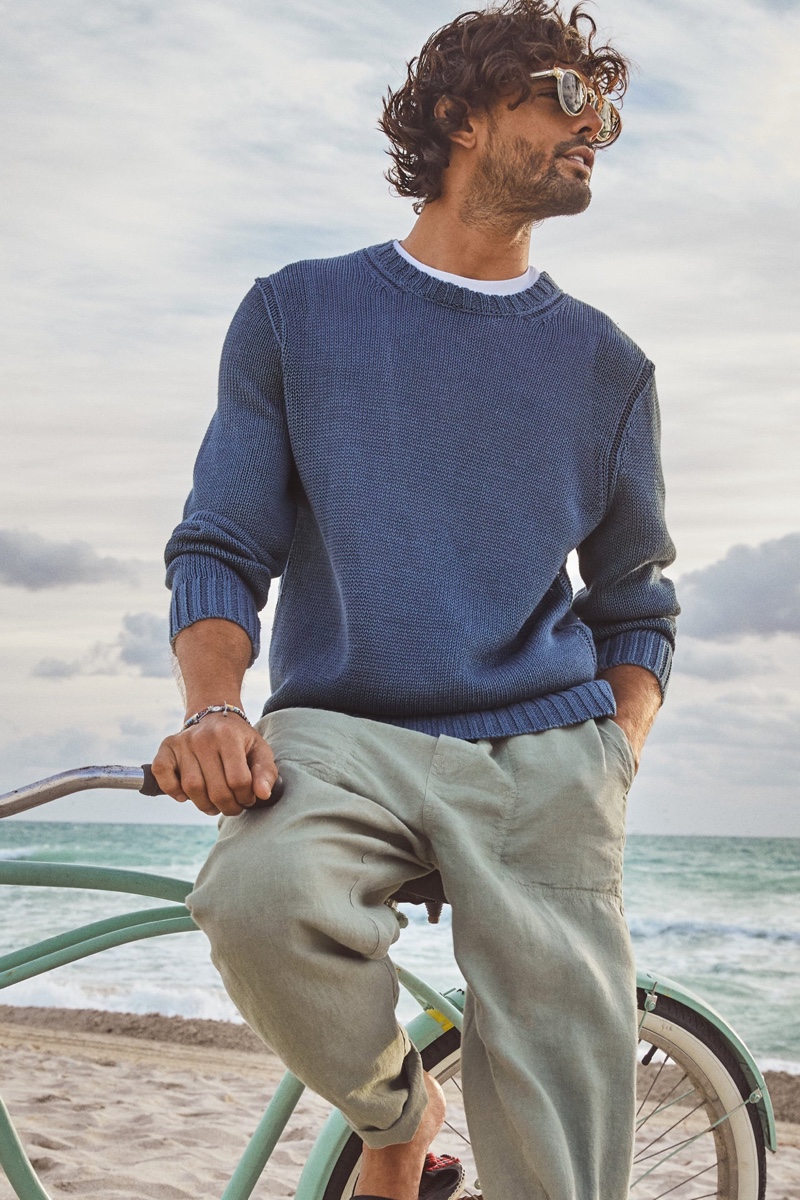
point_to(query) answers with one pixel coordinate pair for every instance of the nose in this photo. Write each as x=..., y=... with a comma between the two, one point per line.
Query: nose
x=587, y=124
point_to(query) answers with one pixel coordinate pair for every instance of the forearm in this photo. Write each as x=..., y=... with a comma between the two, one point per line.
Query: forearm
x=221, y=763
x=638, y=698
x=213, y=656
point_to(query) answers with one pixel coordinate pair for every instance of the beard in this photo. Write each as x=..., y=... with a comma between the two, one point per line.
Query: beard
x=514, y=186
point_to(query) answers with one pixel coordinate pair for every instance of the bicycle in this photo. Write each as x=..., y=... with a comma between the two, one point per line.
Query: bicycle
x=704, y=1119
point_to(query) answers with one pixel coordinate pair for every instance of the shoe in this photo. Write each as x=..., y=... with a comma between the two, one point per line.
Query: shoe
x=442, y=1177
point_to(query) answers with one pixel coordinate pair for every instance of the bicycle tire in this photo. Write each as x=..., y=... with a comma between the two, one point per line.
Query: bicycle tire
x=700, y=1051
x=675, y=1040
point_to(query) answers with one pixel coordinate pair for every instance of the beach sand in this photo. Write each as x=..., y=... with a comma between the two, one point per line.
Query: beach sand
x=122, y=1106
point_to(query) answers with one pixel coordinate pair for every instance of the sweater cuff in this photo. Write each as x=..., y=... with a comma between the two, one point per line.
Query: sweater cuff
x=638, y=648
x=203, y=587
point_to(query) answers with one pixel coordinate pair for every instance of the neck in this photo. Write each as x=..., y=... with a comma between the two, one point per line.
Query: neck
x=442, y=240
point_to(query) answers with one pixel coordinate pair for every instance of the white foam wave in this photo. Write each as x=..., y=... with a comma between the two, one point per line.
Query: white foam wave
x=44, y=992
x=780, y=1064
x=18, y=852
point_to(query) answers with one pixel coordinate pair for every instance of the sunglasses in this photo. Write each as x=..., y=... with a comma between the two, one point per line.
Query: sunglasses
x=574, y=95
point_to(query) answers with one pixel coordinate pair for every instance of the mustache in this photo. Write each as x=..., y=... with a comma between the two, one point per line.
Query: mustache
x=576, y=144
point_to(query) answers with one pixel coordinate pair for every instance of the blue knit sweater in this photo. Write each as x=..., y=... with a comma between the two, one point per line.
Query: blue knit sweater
x=417, y=460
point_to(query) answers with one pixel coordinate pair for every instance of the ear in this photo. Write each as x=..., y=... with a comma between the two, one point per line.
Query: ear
x=463, y=136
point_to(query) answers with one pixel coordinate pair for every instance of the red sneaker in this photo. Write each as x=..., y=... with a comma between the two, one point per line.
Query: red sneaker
x=442, y=1178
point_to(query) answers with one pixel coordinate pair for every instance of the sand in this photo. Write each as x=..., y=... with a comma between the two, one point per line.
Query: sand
x=122, y=1106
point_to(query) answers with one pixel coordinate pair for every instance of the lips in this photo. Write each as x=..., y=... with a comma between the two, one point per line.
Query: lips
x=581, y=155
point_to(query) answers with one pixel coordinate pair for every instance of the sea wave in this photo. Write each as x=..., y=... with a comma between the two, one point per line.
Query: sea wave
x=19, y=852
x=652, y=927
x=780, y=1064
x=49, y=992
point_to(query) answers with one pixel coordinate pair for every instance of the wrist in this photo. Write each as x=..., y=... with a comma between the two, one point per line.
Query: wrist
x=223, y=708
x=195, y=701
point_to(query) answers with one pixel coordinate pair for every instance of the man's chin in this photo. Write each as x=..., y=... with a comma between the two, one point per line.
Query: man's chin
x=568, y=202
x=563, y=203
x=582, y=202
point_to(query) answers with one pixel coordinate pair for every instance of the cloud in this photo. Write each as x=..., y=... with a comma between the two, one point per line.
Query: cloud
x=710, y=661
x=752, y=590
x=25, y=757
x=144, y=643
x=56, y=668
x=724, y=756
x=30, y=561
x=141, y=647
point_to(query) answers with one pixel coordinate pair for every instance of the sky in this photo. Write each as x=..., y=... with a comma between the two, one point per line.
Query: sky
x=160, y=155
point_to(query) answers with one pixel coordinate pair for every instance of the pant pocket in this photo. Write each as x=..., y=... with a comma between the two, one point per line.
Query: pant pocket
x=619, y=753
x=566, y=827
x=312, y=738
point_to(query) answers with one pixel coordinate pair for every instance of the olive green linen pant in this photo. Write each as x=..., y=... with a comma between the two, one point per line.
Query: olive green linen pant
x=528, y=834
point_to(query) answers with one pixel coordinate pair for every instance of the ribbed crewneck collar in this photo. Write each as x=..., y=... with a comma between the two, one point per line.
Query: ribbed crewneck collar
x=543, y=295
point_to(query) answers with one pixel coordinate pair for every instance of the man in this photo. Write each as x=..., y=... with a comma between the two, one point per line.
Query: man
x=416, y=436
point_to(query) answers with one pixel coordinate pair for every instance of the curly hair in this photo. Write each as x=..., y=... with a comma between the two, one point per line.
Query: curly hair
x=472, y=62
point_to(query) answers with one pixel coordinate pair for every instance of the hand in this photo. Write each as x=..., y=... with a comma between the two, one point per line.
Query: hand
x=636, y=737
x=221, y=764
x=638, y=699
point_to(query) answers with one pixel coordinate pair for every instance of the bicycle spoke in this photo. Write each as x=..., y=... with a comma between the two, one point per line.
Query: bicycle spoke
x=667, y=1060
x=683, y=1182
x=672, y=1151
x=654, y=1082
x=457, y=1132
x=666, y=1097
x=663, y=1107
x=675, y=1124
x=667, y=1152
x=679, y=1146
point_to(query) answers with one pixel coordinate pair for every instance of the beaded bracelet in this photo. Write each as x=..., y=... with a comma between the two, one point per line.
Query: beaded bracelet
x=224, y=708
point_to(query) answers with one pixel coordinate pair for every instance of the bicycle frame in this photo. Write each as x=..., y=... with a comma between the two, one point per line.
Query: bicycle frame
x=440, y=1011
x=154, y=922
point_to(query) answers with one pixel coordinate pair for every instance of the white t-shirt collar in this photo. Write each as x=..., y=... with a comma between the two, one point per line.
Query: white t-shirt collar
x=490, y=287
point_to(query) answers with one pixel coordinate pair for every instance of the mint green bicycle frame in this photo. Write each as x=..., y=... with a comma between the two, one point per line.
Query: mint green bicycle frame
x=440, y=1011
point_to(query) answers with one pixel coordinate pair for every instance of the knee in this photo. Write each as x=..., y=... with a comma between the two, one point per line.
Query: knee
x=266, y=898
x=293, y=898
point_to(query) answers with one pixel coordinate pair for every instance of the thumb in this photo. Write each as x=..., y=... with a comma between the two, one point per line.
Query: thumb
x=263, y=771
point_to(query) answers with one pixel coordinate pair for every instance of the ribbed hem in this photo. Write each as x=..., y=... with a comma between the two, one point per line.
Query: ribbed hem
x=203, y=587
x=540, y=297
x=638, y=648
x=582, y=703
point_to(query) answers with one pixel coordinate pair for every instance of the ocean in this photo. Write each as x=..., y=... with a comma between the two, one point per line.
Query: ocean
x=720, y=915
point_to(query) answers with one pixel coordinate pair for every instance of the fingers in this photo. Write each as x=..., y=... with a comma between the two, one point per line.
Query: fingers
x=250, y=772
x=203, y=777
x=263, y=771
x=221, y=765
x=238, y=776
x=165, y=769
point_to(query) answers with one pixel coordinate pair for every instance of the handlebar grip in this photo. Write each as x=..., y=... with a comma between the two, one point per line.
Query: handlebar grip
x=150, y=786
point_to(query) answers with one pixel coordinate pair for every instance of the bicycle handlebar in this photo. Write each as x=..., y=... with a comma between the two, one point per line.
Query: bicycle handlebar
x=80, y=779
x=150, y=785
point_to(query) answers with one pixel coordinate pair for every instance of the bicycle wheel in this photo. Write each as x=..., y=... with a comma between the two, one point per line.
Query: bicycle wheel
x=696, y=1136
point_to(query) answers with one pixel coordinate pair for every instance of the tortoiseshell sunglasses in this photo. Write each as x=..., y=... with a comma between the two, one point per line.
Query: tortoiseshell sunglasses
x=574, y=95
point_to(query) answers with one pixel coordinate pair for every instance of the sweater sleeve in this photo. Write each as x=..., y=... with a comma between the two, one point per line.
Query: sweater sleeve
x=240, y=515
x=627, y=603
